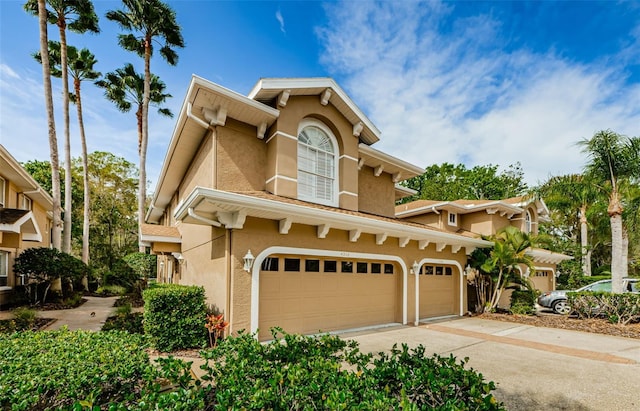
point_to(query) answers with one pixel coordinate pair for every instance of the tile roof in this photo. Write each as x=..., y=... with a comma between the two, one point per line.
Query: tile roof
x=159, y=231
x=11, y=215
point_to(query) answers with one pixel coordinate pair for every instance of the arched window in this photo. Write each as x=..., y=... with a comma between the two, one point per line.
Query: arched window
x=317, y=157
x=527, y=222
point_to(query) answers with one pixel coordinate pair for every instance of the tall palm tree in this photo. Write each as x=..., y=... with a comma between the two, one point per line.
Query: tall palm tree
x=573, y=192
x=509, y=252
x=80, y=17
x=80, y=67
x=41, y=11
x=613, y=159
x=125, y=88
x=148, y=21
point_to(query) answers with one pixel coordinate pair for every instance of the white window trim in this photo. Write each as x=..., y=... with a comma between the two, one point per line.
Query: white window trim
x=455, y=219
x=307, y=122
x=5, y=256
x=26, y=200
x=528, y=222
x=3, y=187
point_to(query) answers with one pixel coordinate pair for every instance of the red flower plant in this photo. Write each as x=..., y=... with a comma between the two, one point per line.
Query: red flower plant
x=215, y=325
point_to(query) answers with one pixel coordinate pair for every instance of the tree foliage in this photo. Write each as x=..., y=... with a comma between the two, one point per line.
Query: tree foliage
x=448, y=182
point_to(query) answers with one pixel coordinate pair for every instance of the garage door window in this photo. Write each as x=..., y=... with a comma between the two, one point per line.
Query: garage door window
x=291, y=264
x=270, y=264
x=312, y=266
x=330, y=266
x=448, y=271
x=376, y=268
x=428, y=270
x=347, y=267
x=439, y=270
x=361, y=268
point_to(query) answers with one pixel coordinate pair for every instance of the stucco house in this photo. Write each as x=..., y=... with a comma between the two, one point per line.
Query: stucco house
x=25, y=219
x=279, y=206
x=477, y=218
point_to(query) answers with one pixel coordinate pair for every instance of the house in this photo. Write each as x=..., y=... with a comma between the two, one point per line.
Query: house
x=278, y=205
x=25, y=219
x=476, y=218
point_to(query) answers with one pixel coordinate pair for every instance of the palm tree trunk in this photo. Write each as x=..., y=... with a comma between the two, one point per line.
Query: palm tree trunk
x=144, y=141
x=584, y=242
x=625, y=252
x=66, y=232
x=51, y=125
x=85, y=180
x=615, y=218
x=496, y=294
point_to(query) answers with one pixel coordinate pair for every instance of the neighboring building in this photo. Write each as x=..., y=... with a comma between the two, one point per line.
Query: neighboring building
x=25, y=219
x=476, y=218
x=278, y=205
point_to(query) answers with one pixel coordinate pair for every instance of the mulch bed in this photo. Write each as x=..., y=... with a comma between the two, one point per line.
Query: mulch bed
x=38, y=324
x=593, y=325
x=58, y=306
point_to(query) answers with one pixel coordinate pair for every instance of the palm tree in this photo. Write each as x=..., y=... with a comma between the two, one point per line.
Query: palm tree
x=80, y=17
x=125, y=88
x=80, y=68
x=509, y=252
x=613, y=159
x=573, y=192
x=149, y=20
x=41, y=12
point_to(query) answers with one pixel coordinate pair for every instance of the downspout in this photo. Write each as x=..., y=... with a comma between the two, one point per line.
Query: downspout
x=195, y=216
x=417, y=320
x=229, y=265
x=196, y=119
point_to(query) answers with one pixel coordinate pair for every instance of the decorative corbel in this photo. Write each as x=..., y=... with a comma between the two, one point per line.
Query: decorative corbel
x=378, y=170
x=354, y=235
x=262, y=128
x=440, y=247
x=403, y=241
x=357, y=129
x=381, y=238
x=324, y=97
x=422, y=244
x=323, y=230
x=284, y=225
x=283, y=98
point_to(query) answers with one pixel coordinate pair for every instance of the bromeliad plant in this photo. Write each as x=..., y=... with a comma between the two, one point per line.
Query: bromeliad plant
x=215, y=325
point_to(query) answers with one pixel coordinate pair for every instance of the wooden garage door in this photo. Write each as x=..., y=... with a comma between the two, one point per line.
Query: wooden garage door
x=437, y=290
x=309, y=295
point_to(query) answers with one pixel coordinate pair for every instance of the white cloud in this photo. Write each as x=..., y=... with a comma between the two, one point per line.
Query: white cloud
x=280, y=20
x=459, y=97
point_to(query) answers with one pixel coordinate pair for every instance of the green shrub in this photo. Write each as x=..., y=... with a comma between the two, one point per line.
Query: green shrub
x=54, y=369
x=326, y=372
x=111, y=290
x=523, y=302
x=174, y=316
x=129, y=322
x=24, y=318
x=74, y=300
x=144, y=265
x=617, y=308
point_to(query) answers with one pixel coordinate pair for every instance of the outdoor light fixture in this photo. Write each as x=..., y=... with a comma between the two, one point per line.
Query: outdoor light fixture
x=467, y=270
x=178, y=257
x=248, y=261
x=416, y=268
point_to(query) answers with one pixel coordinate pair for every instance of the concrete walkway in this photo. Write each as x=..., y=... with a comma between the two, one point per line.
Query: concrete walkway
x=534, y=368
x=79, y=318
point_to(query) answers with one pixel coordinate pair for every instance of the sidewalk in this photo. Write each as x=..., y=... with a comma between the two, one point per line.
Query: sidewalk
x=79, y=318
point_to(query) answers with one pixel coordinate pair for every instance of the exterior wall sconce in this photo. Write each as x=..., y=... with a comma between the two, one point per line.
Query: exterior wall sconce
x=248, y=261
x=415, y=267
x=179, y=258
x=467, y=270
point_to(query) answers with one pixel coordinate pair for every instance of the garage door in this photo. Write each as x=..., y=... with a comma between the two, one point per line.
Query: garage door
x=542, y=280
x=309, y=295
x=437, y=290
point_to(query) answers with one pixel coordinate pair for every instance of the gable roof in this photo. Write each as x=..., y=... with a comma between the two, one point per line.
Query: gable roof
x=14, y=172
x=13, y=220
x=267, y=89
x=509, y=206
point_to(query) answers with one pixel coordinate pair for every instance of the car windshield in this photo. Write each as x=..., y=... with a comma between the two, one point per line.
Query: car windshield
x=604, y=286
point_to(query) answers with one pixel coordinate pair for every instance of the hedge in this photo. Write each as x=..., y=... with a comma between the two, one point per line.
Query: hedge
x=523, y=301
x=328, y=373
x=174, y=316
x=617, y=308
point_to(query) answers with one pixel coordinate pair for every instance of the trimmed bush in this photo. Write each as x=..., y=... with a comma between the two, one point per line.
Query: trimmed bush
x=523, y=302
x=174, y=316
x=54, y=369
x=144, y=265
x=617, y=308
x=328, y=373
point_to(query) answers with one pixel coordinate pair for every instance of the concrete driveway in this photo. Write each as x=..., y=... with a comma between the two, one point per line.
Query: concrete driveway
x=533, y=368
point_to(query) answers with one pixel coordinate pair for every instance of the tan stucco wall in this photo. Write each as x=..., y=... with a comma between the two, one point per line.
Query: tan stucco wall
x=376, y=195
x=200, y=171
x=241, y=158
x=431, y=219
x=259, y=234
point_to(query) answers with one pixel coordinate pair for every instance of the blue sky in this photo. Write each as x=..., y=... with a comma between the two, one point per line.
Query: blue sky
x=464, y=82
